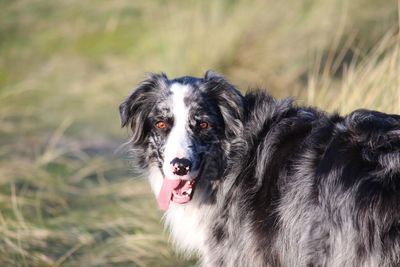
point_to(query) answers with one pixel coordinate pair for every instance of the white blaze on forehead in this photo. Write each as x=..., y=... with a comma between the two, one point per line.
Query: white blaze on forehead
x=179, y=108
x=178, y=142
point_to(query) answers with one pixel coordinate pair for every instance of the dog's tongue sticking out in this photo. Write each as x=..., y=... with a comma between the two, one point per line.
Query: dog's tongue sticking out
x=176, y=190
x=166, y=192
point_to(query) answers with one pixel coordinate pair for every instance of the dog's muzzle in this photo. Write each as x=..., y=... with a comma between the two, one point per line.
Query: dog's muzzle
x=179, y=187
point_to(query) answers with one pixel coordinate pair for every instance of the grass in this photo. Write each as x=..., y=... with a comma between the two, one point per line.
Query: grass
x=66, y=197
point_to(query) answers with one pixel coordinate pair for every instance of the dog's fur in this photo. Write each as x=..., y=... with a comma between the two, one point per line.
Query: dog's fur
x=279, y=185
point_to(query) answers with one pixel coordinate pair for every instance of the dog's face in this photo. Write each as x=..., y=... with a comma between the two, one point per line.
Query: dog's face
x=182, y=127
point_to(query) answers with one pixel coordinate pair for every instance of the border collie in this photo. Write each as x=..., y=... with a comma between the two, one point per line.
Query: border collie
x=254, y=181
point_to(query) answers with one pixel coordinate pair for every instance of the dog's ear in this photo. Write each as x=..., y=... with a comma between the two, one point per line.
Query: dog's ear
x=229, y=100
x=210, y=74
x=136, y=108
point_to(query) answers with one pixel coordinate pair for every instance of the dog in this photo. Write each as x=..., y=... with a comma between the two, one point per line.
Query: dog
x=249, y=180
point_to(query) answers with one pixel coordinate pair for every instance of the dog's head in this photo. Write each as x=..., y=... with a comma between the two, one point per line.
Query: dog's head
x=186, y=128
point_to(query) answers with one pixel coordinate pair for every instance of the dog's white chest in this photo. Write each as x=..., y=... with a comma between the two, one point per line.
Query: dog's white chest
x=187, y=228
x=186, y=223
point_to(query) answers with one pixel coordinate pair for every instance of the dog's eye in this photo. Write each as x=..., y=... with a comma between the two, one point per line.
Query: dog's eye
x=203, y=125
x=161, y=125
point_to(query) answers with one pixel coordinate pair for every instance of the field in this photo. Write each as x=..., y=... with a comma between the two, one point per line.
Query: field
x=68, y=195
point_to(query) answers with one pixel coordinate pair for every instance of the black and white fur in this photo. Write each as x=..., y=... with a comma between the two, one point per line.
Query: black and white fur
x=276, y=184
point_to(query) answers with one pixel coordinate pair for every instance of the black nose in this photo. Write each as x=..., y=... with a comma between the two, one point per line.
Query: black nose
x=181, y=166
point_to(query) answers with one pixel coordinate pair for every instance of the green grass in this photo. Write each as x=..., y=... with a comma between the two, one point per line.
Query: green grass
x=66, y=197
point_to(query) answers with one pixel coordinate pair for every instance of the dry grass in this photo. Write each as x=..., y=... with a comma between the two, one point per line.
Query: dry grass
x=372, y=82
x=66, y=199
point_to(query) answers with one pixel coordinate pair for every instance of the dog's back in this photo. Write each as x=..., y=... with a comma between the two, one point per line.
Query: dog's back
x=340, y=204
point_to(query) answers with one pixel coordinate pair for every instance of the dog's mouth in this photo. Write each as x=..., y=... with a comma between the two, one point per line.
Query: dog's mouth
x=183, y=193
x=175, y=190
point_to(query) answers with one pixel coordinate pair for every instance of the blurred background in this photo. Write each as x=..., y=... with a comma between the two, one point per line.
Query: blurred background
x=67, y=198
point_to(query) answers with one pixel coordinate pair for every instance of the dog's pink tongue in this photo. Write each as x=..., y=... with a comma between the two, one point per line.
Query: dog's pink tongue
x=166, y=192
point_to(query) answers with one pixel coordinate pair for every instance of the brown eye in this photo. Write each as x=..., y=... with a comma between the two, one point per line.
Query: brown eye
x=161, y=125
x=203, y=125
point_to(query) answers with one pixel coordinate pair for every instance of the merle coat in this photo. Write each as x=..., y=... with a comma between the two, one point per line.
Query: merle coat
x=279, y=184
